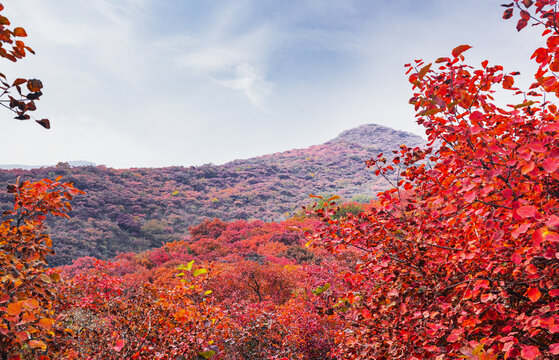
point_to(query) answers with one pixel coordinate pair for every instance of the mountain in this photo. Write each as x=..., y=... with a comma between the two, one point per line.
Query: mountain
x=140, y=208
x=28, y=167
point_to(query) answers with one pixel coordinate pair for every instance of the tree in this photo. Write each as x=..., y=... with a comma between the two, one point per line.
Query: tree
x=14, y=49
x=112, y=317
x=460, y=258
x=27, y=295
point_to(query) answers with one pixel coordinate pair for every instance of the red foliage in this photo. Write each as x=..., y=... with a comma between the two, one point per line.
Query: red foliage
x=110, y=317
x=138, y=209
x=461, y=257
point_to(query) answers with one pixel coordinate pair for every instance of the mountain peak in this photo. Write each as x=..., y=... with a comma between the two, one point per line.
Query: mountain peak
x=377, y=137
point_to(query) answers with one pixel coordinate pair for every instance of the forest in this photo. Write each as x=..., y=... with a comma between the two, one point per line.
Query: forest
x=455, y=257
x=126, y=210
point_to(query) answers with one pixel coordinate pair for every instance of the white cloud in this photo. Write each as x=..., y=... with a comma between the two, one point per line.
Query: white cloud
x=230, y=51
x=252, y=82
x=187, y=82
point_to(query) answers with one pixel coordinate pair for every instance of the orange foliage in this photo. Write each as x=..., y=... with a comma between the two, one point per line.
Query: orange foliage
x=27, y=302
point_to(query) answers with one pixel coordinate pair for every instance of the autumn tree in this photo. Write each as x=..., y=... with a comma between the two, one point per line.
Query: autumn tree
x=14, y=96
x=172, y=316
x=27, y=295
x=460, y=258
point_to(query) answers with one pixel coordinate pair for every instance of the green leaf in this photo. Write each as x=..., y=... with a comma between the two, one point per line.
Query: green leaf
x=319, y=290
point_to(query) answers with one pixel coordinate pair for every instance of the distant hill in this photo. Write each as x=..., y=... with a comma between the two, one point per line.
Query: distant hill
x=28, y=167
x=140, y=208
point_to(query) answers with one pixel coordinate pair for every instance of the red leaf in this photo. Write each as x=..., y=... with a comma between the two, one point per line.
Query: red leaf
x=527, y=211
x=554, y=349
x=19, y=81
x=424, y=70
x=528, y=167
x=119, y=345
x=537, y=147
x=521, y=24
x=470, y=196
x=516, y=258
x=44, y=123
x=533, y=294
x=551, y=127
x=507, y=14
x=481, y=284
x=552, y=221
x=530, y=352
x=18, y=31
x=554, y=293
x=508, y=82
x=550, y=165
x=520, y=230
x=460, y=49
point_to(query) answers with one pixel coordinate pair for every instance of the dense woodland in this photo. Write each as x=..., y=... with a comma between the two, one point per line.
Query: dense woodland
x=458, y=258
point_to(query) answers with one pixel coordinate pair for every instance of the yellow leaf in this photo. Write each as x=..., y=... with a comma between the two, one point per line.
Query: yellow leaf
x=478, y=349
x=332, y=198
x=45, y=278
x=55, y=277
x=200, y=271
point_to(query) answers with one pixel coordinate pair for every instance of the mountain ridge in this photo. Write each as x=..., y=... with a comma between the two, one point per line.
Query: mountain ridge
x=29, y=167
x=140, y=208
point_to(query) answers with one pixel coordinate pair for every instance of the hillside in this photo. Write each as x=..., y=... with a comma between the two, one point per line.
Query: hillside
x=141, y=208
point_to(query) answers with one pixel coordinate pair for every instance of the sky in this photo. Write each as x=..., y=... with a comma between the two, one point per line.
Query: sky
x=153, y=83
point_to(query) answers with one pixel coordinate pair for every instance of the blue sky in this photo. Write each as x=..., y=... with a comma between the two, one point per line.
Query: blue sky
x=149, y=83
